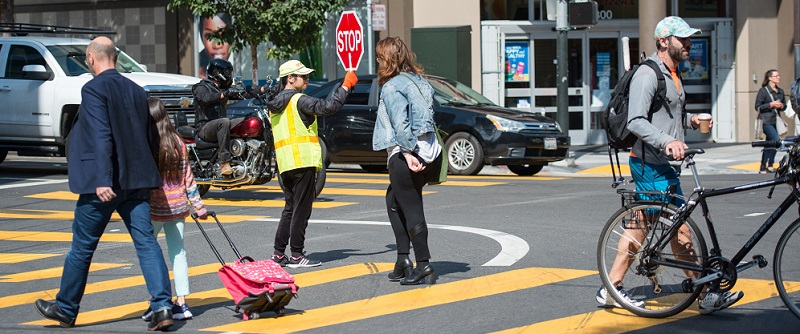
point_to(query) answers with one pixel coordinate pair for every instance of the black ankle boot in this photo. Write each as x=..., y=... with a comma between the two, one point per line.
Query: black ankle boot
x=402, y=269
x=419, y=275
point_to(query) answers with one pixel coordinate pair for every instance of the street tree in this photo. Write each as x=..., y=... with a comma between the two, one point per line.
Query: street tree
x=291, y=25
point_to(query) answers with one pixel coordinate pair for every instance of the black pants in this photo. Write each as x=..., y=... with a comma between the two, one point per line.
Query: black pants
x=219, y=130
x=404, y=205
x=299, y=190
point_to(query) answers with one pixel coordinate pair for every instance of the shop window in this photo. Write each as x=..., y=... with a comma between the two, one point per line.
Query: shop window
x=702, y=8
x=696, y=69
x=505, y=9
x=544, y=54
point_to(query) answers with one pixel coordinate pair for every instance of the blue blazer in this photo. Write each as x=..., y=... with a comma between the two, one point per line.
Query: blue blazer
x=113, y=138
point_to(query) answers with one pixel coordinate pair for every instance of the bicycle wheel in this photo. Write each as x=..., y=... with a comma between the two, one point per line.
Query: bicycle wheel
x=631, y=230
x=787, y=268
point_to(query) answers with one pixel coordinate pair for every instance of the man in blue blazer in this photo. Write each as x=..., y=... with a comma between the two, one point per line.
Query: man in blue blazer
x=112, y=167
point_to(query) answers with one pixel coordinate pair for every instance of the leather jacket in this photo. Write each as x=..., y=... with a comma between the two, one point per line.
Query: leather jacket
x=208, y=105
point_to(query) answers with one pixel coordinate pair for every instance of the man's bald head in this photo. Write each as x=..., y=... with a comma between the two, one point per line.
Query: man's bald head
x=101, y=55
x=103, y=48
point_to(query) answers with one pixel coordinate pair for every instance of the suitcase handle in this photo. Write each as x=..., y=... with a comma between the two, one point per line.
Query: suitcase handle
x=214, y=249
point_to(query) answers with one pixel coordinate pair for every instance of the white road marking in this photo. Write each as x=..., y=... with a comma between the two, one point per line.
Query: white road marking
x=756, y=214
x=512, y=248
x=37, y=182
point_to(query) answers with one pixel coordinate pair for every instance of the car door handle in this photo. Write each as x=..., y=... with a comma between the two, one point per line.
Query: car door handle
x=5, y=89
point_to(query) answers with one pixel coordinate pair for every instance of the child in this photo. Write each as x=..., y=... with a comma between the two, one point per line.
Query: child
x=168, y=204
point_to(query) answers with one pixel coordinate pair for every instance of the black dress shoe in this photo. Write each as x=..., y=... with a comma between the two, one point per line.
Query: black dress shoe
x=419, y=275
x=50, y=310
x=161, y=320
x=402, y=269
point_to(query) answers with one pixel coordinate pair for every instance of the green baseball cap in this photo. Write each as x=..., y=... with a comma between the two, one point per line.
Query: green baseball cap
x=674, y=26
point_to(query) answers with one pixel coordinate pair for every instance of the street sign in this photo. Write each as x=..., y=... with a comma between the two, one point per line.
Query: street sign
x=349, y=40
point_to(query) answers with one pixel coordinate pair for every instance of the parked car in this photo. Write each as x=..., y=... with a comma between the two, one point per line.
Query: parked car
x=479, y=131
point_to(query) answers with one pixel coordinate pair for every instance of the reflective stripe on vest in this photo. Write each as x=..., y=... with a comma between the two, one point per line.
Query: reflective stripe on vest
x=296, y=146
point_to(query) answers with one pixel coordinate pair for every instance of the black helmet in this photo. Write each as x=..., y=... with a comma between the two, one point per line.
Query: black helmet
x=221, y=71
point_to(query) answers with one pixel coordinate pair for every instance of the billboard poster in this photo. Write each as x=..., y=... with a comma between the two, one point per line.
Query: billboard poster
x=696, y=67
x=206, y=49
x=517, y=61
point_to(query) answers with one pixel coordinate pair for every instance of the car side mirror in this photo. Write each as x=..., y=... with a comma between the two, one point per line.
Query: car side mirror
x=36, y=72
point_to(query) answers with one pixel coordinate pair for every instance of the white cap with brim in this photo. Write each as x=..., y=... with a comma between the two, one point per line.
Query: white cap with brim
x=294, y=67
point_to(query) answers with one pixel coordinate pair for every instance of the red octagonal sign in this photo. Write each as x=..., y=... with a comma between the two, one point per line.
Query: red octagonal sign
x=349, y=40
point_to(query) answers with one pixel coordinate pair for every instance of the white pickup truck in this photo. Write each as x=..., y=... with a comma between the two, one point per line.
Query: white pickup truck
x=40, y=91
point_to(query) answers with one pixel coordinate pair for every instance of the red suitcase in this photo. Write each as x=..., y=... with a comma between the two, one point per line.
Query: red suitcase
x=256, y=286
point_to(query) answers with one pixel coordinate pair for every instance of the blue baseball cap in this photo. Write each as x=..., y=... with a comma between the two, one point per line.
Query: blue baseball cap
x=674, y=26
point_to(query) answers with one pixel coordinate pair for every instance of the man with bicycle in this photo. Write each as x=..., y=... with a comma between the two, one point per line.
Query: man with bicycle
x=660, y=134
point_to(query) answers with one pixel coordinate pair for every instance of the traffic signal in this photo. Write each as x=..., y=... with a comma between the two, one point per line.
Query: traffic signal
x=582, y=14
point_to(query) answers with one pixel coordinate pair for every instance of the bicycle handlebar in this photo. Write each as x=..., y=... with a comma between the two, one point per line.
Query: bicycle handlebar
x=767, y=143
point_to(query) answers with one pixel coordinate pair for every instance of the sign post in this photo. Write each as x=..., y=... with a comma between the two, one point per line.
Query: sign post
x=349, y=40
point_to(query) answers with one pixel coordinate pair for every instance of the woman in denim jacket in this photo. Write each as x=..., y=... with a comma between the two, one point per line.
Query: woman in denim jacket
x=404, y=128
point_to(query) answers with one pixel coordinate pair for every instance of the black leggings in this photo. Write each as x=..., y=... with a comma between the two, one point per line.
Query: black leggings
x=404, y=205
x=298, y=187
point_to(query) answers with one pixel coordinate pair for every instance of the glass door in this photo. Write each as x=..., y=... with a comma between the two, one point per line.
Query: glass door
x=543, y=90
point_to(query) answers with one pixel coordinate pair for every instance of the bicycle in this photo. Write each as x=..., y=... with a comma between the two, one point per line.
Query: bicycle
x=666, y=264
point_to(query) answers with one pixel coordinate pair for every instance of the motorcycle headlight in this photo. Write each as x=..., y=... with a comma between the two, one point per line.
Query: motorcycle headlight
x=505, y=124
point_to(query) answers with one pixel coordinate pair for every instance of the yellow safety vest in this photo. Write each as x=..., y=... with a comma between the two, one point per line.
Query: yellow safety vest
x=295, y=145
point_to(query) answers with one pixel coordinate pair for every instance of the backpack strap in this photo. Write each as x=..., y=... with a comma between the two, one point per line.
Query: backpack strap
x=661, y=89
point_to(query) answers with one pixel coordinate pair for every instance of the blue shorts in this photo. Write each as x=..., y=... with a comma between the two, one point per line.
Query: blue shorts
x=655, y=178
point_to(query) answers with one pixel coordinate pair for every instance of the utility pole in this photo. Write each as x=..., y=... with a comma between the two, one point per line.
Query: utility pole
x=7, y=11
x=562, y=94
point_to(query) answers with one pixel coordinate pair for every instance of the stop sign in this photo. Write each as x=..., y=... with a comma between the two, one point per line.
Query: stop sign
x=349, y=40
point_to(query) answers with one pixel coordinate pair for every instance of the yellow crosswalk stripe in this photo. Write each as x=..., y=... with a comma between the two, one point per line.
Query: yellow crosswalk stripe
x=750, y=166
x=69, y=215
x=342, y=191
x=210, y=201
x=620, y=320
x=407, y=300
x=607, y=169
x=8, y=258
x=386, y=182
x=54, y=272
x=459, y=177
x=221, y=295
x=120, y=283
x=58, y=236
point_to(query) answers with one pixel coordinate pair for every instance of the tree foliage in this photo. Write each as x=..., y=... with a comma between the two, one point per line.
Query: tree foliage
x=291, y=25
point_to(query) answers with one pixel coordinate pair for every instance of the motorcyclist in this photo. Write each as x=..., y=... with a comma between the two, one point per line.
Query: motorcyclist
x=211, y=97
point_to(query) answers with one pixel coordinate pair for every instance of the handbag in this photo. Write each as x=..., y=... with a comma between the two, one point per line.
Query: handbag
x=780, y=124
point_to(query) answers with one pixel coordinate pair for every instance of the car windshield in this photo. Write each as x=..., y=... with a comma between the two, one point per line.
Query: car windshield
x=453, y=92
x=72, y=59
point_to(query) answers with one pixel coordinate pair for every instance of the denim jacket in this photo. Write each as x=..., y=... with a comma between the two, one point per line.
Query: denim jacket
x=403, y=113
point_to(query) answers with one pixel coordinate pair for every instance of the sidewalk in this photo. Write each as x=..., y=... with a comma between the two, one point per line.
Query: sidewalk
x=737, y=158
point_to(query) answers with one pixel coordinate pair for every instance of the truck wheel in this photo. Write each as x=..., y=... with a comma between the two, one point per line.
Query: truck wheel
x=3, y=154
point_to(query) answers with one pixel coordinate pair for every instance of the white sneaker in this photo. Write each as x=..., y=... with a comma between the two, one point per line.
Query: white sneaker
x=603, y=299
x=715, y=301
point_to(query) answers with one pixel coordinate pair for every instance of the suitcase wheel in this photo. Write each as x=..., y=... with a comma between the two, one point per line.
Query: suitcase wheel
x=281, y=311
x=254, y=315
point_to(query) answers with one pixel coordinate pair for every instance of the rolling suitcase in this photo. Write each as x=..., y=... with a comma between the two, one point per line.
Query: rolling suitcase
x=256, y=286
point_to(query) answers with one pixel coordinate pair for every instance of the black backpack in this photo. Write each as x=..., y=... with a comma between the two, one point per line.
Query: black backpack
x=616, y=114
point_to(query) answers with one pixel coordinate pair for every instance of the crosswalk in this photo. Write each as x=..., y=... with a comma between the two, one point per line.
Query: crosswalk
x=508, y=280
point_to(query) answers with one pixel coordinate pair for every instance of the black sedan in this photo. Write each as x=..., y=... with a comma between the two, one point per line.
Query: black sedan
x=479, y=132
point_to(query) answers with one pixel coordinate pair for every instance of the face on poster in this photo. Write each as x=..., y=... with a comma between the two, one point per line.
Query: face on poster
x=696, y=67
x=206, y=48
x=517, y=61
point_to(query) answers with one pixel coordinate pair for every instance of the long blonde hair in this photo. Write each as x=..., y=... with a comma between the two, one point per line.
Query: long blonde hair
x=395, y=57
x=170, y=154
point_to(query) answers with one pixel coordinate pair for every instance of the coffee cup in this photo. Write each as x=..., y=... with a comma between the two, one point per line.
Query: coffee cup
x=705, y=122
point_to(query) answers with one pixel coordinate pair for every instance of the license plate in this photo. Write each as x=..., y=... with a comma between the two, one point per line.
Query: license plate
x=550, y=144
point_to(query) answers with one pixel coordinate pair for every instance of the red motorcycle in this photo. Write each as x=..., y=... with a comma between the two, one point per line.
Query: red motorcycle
x=251, y=146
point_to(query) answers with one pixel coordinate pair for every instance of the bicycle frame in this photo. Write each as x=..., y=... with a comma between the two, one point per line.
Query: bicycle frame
x=699, y=196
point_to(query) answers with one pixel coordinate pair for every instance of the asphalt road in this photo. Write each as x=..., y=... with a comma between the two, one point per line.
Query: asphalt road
x=512, y=255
